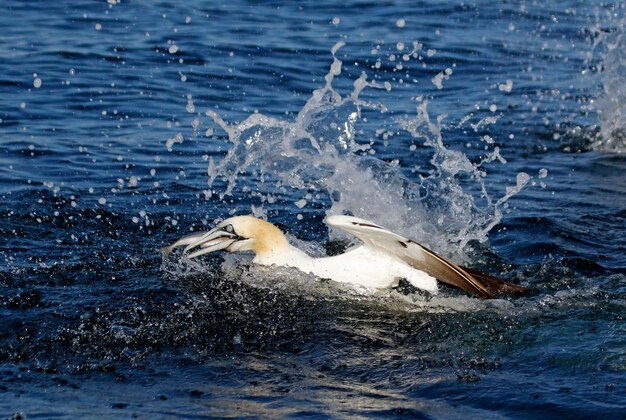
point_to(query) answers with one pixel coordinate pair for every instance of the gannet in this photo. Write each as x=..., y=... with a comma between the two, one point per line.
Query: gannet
x=379, y=262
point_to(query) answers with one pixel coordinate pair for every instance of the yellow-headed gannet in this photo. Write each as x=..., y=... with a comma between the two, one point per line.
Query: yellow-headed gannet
x=382, y=259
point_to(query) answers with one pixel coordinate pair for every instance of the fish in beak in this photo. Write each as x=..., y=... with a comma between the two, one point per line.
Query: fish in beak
x=218, y=238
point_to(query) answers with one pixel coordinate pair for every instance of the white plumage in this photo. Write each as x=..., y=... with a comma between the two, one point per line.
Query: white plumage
x=382, y=259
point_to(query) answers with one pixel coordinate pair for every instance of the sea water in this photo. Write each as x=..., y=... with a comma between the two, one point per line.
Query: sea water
x=492, y=134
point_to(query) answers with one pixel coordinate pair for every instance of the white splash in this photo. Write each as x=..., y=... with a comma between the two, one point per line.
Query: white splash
x=321, y=156
x=609, y=43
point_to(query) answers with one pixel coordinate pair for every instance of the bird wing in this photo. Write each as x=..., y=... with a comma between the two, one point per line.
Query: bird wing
x=423, y=259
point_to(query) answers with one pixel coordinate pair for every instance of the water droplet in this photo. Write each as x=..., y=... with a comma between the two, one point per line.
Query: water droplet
x=506, y=87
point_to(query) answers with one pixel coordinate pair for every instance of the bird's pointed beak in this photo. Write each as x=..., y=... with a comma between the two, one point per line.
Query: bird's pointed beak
x=214, y=240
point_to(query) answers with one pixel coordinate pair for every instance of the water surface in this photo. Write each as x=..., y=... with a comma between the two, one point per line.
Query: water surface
x=491, y=133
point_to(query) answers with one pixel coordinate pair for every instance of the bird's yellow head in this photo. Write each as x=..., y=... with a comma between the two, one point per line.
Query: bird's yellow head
x=239, y=233
x=255, y=234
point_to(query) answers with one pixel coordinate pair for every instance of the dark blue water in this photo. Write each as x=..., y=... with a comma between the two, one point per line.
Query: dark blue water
x=104, y=159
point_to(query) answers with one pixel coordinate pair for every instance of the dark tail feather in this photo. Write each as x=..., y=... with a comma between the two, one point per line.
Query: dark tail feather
x=495, y=285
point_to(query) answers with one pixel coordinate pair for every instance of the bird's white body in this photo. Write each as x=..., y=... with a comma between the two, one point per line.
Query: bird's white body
x=360, y=265
x=382, y=259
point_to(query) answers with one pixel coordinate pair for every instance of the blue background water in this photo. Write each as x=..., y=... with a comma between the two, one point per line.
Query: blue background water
x=92, y=323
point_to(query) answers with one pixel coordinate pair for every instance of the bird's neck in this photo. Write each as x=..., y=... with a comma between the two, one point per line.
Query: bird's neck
x=284, y=255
